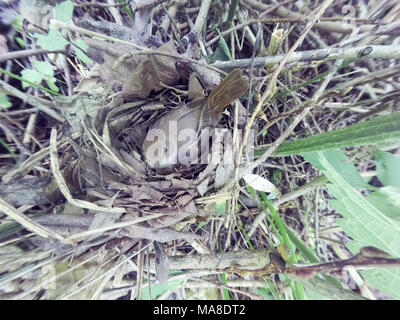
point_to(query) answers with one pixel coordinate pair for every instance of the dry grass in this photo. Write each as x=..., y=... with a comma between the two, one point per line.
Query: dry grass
x=82, y=214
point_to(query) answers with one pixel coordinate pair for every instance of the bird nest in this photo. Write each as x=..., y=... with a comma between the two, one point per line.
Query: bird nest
x=97, y=161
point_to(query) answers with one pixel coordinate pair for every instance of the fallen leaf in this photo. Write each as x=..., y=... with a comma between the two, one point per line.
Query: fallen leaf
x=162, y=263
x=133, y=75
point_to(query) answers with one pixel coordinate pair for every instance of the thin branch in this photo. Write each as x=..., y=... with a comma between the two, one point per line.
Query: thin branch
x=371, y=51
x=26, y=53
x=202, y=16
x=28, y=99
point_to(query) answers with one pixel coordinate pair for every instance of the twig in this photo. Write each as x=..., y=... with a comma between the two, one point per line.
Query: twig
x=110, y=270
x=27, y=53
x=115, y=12
x=11, y=135
x=33, y=102
x=315, y=183
x=144, y=4
x=202, y=16
x=373, y=51
x=367, y=257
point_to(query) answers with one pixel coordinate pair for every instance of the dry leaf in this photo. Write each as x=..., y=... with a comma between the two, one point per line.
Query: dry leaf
x=135, y=75
x=151, y=73
x=161, y=263
x=145, y=192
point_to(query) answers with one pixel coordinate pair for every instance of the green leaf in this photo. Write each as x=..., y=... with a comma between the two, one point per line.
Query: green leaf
x=64, y=11
x=387, y=200
x=365, y=223
x=220, y=207
x=44, y=68
x=52, y=41
x=20, y=42
x=224, y=46
x=231, y=13
x=388, y=168
x=4, y=102
x=51, y=82
x=44, y=72
x=17, y=23
x=342, y=165
x=159, y=289
x=127, y=9
x=221, y=53
x=225, y=292
x=379, y=130
x=14, y=76
x=265, y=293
x=328, y=287
x=79, y=53
x=304, y=250
x=314, y=295
x=32, y=76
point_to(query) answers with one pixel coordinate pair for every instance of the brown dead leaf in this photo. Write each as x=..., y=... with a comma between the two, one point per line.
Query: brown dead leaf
x=92, y=173
x=184, y=200
x=161, y=263
x=135, y=75
x=145, y=192
x=133, y=161
x=172, y=186
x=174, y=214
x=151, y=73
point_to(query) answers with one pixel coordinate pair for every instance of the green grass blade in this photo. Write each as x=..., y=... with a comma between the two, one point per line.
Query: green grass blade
x=283, y=234
x=380, y=130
